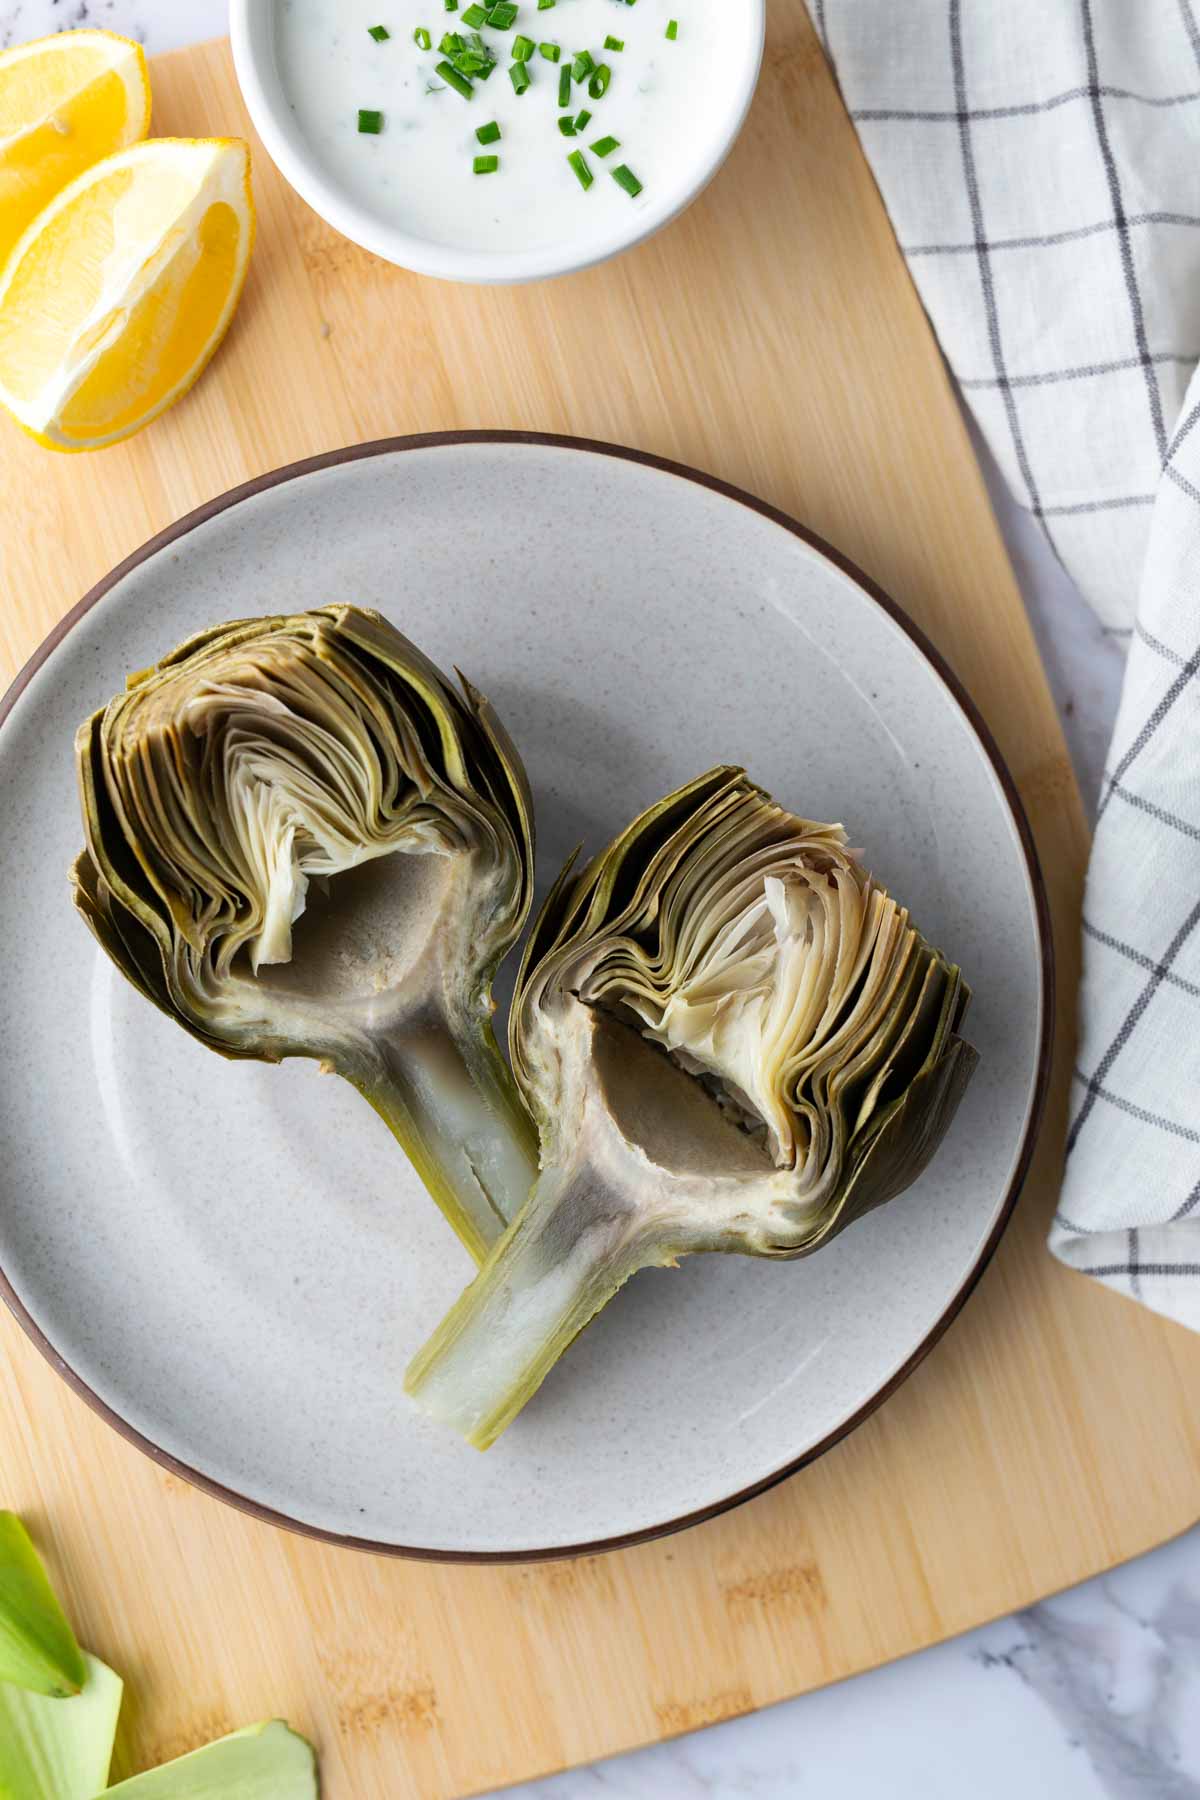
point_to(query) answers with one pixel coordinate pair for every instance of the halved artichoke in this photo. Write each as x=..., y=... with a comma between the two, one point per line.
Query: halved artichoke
x=731, y=1039
x=302, y=841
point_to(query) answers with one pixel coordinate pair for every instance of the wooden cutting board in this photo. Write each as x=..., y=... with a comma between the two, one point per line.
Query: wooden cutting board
x=772, y=337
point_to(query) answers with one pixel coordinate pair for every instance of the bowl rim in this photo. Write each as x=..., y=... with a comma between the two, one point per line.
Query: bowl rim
x=309, y=465
x=263, y=94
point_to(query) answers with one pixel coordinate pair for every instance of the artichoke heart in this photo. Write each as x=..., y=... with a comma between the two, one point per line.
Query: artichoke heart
x=301, y=840
x=731, y=1039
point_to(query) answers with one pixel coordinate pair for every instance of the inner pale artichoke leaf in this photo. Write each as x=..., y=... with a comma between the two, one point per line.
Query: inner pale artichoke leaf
x=732, y=1039
x=37, y=1646
x=302, y=840
x=260, y=1762
x=59, y=1749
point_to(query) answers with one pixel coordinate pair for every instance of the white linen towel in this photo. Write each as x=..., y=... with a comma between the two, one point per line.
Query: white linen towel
x=1040, y=160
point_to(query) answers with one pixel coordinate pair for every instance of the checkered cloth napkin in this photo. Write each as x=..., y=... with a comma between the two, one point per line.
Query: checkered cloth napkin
x=1040, y=160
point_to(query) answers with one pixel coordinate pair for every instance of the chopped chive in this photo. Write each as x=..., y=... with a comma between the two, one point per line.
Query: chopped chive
x=452, y=78
x=579, y=163
x=612, y=43
x=673, y=29
x=475, y=15
x=598, y=85
x=583, y=120
x=472, y=59
x=625, y=178
x=583, y=65
x=486, y=165
x=605, y=146
x=545, y=5
x=451, y=5
x=564, y=85
x=489, y=133
x=502, y=15
x=422, y=39
x=518, y=74
x=523, y=48
x=567, y=125
x=551, y=52
x=371, y=123
x=379, y=32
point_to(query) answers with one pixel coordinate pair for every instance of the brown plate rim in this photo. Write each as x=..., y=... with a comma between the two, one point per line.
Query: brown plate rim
x=309, y=465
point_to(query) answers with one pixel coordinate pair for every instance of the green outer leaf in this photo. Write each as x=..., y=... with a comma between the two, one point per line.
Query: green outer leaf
x=37, y=1646
x=59, y=1749
x=260, y=1762
x=864, y=1090
x=160, y=890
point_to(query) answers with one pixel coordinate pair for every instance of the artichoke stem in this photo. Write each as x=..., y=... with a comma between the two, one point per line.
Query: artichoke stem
x=449, y=1100
x=573, y=1245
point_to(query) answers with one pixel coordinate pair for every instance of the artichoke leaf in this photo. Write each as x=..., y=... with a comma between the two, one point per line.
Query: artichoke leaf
x=37, y=1646
x=59, y=1749
x=302, y=840
x=260, y=1762
x=732, y=1039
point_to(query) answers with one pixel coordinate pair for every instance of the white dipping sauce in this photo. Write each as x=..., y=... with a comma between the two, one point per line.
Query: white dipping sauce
x=669, y=103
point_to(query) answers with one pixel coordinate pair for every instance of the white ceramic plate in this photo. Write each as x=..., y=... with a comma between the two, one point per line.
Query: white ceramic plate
x=234, y=1262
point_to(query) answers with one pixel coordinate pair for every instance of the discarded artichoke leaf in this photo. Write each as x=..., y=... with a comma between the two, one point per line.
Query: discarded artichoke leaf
x=59, y=1749
x=301, y=840
x=260, y=1762
x=37, y=1646
x=731, y=1039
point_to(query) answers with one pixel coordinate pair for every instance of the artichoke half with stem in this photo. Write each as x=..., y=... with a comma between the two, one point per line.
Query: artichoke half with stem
x=301, y=840
x=732, y=1039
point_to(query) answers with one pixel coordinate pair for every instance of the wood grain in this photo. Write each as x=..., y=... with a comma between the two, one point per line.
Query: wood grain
x=772, y=337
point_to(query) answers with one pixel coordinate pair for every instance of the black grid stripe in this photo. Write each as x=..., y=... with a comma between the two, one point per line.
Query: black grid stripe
x=1049, y=240
x=1135, y=1274
x=1189, y=25
x=1123, y=1103
x=1139, y=957
x=1165, y=817
x=1160, y=649
x=1189, y=1206
x=1181, y=481
x=938, y=116
x=1155, y=1268
x=1184, y=430
x=1084, y=372
x=1115, y=503
x=1132, y=290
x=1092, y=1083
x=983, y=255
x=822, y=28
x=1178, y=686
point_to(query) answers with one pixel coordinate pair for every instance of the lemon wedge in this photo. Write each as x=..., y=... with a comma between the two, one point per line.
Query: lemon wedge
x=117, y=295
x=65, y=101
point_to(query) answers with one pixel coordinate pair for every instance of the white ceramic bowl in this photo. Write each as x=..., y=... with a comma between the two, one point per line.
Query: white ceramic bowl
x=253, y=31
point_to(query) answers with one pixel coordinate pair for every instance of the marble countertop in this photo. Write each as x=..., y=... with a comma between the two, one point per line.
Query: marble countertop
x=1094, y=1695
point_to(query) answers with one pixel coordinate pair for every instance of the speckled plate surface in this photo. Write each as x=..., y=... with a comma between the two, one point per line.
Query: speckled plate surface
x=233, y=1261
